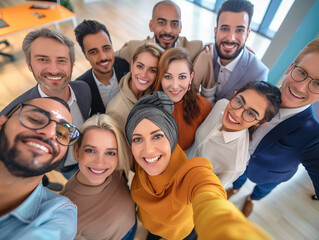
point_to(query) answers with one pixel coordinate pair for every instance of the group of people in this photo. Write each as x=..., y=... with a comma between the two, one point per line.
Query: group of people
x=189, y=120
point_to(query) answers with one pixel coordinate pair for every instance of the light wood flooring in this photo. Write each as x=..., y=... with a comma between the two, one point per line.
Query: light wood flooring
x=287, y=213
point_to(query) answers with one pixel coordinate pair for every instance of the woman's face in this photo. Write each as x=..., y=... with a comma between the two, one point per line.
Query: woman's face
x=252, y=102
x=144, y=71
x=97, y=156
x=176, y=80
x=151, y=148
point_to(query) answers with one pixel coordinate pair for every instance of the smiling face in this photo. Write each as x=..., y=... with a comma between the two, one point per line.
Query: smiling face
x=296, y=94
x=144, y=71
x=99, y=52
x=97, y=156
x=51, y=65
x=166, y=25
x=231, y=35
x=176, y=80
x=27, y=152
x=151, y=148
x=251, y=100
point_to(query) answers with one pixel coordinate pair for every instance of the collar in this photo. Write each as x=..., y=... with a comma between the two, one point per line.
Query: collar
x=230, y=66
x=98, y=83
x=285, y=113
x=28, y=210
x=71, y=100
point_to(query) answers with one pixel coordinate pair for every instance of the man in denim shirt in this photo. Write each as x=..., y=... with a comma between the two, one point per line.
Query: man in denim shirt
x=34, y=137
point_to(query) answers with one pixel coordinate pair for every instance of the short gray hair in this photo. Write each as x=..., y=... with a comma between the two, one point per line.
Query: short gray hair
x=47, y=33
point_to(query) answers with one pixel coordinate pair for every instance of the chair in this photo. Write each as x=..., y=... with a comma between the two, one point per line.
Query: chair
x=5, y=54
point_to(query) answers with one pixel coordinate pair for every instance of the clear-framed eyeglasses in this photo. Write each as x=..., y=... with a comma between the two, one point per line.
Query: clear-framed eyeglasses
x=248, y=115
x=33, y=117
x=299, y=74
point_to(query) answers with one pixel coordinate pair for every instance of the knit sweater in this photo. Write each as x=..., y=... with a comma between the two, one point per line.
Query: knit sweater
x=105, y=211
x=186, y=132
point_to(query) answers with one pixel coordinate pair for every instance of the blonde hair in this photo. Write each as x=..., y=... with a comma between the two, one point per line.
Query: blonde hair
x=105, y=122
x=311, y=47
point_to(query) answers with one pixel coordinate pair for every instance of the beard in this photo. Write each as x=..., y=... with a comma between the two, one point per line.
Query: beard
x=222, y=56
x=166, y=45
x=20, y=165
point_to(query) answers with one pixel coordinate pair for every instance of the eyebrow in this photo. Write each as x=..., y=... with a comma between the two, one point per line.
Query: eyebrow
x=163, y=19
x=153, y=132
x=141, y=63
x=244, y=101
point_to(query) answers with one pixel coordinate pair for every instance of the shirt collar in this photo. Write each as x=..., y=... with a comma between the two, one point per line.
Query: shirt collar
x=27, y=211
x=98, y=83
x=230, y=66
x=71, y=100
x=285, y=113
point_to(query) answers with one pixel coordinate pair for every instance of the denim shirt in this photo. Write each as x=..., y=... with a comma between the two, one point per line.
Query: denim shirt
x=43, y=215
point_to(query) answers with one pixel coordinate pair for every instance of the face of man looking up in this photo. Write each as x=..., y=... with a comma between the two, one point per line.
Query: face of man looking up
x=28, y=152
x=166, y=24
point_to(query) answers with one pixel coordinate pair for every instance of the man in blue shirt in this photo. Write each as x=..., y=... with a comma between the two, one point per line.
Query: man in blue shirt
x=34, y=137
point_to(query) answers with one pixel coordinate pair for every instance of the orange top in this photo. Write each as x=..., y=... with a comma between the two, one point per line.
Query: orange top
x=22, y=17
x=186, y=132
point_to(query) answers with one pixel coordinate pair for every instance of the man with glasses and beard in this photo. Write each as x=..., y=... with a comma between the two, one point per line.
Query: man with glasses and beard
x=291, y=137
x=166, y=25
x=34, y=137
x=232, y=65
x=50, y=57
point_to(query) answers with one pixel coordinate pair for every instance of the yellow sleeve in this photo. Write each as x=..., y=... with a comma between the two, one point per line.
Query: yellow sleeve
x=217, y=218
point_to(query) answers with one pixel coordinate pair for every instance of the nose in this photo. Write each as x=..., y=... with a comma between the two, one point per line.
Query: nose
x=99, y=158
x=102, y=55
x=174, y=84
x=239, y=112
x=144, y=72
x=149, y=147
x=168, y=28
x=302, y=86
x=49, y=131
x=230, y=36
x=53, y=68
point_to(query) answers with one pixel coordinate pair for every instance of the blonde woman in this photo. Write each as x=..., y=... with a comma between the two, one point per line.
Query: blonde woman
x=99, y=189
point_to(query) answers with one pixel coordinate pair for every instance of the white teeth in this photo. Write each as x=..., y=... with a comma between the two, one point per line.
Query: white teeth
x=97, y=171
x=232, y=119
x=295, y=94
x=36, y=145
x=104, y=63
x=152, y=160
x=54, y=78
x=229, y=46
x=142, y=81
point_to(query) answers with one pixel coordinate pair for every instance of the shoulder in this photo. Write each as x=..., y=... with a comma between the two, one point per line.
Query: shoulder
x=80, y=87
x=253, y=61
x=86, y=77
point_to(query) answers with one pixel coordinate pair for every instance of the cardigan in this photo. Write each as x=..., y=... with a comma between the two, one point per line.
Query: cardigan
x=106, y=211
x=186, y=132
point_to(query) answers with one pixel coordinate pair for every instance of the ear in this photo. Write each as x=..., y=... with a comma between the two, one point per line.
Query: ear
x=289, y=68
x=248, y=32
x=180, y=29
x=151, y=25
x=131, y=65
x=3, y=119
x=215, y=31
x=191, y=77
x=263, y=124
x=76, y=152
x=30, y=68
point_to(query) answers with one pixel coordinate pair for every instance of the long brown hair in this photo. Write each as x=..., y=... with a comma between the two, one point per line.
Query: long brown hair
x=190, y=105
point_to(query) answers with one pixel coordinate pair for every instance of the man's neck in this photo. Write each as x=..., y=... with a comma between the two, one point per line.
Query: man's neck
x=65, y=94
x=14, y=190
x=104, y=77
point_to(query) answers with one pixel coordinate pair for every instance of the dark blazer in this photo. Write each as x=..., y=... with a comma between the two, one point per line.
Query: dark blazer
x=293, y=141
x=83, y=97
x=249, y=68
x=121, y=67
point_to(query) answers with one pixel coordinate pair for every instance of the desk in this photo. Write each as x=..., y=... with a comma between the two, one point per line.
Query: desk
x=21, y=18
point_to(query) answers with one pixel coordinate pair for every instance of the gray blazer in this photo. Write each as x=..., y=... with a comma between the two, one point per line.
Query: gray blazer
x=249, y=68
x=81, y=91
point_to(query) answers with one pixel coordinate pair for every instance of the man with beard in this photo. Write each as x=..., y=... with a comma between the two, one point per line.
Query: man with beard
x=232, y=65
x=50, y=57
x=34, y=137
x=291, y=137
x=106, y=72
x=166, y=25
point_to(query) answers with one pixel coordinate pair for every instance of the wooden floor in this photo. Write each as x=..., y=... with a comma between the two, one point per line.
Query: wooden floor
x=286, y=213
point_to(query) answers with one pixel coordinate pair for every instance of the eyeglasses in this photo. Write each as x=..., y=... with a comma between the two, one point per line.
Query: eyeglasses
x=33, y=117
x=299, y=74
x=248, y=115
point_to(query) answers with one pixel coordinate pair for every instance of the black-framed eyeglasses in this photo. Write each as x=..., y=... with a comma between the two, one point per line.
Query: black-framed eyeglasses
x=248, y=115
x=299, y=74
x=33, y=117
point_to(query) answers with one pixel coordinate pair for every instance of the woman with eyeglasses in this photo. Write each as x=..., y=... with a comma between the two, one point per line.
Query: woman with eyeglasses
x=223, y=138
x=99, y=190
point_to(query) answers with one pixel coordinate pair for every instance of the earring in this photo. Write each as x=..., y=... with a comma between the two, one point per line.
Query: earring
x=189, y=87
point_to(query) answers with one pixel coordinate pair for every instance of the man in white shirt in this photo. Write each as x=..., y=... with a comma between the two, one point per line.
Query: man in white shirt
x=50, y=58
